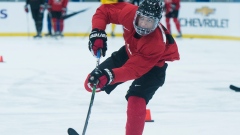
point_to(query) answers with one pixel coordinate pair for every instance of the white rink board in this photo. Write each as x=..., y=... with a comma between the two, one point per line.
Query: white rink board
x=18, y=21
x=223, y=21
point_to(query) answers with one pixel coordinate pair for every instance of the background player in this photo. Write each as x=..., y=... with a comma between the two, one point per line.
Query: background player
x=37, y=9
x=58, y=9
x=172, y=10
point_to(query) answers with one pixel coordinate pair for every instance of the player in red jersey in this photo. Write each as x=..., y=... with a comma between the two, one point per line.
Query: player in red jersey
x=58, y=9
x=148, y=45
x=172, y=10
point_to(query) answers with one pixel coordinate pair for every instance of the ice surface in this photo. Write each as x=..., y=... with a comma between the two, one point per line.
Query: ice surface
x=42, y=93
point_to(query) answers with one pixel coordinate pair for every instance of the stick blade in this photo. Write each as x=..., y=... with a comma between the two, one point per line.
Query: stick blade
x=234, y=88
x=71, y=131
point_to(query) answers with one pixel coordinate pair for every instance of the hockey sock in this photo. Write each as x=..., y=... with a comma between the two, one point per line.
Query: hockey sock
x=177, y=24
x=168, y=24
x=136, y=113
x=58, y=25
x=54, y=24
x=61, y=25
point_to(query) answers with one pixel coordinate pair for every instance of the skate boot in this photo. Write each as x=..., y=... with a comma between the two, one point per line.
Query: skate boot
x=48, y=35
x=61, y=35
x=38, y=36
x=179, y=35
x=58, y=35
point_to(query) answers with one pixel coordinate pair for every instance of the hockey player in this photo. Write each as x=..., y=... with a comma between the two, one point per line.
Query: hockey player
x=58, y=9
x=172, y=9
x=148, y=45
x=37, y=14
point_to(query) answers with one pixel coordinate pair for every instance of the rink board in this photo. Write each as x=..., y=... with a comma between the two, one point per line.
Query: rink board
x=198, y=20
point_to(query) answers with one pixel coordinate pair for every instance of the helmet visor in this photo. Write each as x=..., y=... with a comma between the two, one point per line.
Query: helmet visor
x=144, y=25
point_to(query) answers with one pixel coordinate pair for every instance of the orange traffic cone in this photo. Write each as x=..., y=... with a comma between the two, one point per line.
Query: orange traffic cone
x=1, y=58
x=148, y=116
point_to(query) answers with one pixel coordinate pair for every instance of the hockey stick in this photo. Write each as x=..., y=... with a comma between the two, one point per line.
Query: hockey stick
x=92, y=97
x=28, y=31
x=237, y=89
x=72, y=131
x=74, y=13
x=87, y=33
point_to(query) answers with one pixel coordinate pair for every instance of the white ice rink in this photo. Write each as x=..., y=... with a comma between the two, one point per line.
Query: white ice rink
x=42, y=93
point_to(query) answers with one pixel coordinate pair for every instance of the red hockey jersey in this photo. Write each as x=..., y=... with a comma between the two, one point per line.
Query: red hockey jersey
x=144, y=53
x=169, y=3
x=57, y=5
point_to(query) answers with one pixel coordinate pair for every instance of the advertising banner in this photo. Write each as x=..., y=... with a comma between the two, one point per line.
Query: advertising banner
x=196, y=19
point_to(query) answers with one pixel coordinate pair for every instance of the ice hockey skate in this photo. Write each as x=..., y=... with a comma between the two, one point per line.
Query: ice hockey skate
x=179, y=35
x=58, y=35
x=48, y=35
x=38, y=36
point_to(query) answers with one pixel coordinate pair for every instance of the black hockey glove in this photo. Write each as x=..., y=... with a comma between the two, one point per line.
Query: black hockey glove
x=101, y=78
x=97, y=41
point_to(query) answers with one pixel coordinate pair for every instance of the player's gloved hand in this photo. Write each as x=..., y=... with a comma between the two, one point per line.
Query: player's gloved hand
x=42, y=8
x=97, y=40
x=49, y=8
x=64, y=11
x=173, y=7
x=101, y=78
x=26, y=8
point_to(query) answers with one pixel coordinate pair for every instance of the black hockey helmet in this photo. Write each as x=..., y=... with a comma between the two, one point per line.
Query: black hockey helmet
x=148, y=8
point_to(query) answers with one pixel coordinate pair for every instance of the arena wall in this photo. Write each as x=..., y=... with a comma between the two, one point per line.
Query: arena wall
x=198, y=20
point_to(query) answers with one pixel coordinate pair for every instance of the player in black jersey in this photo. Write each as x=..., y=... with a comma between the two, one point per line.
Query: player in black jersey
x=37, y=8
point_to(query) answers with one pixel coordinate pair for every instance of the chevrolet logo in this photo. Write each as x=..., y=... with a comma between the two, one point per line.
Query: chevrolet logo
x=205, y=11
